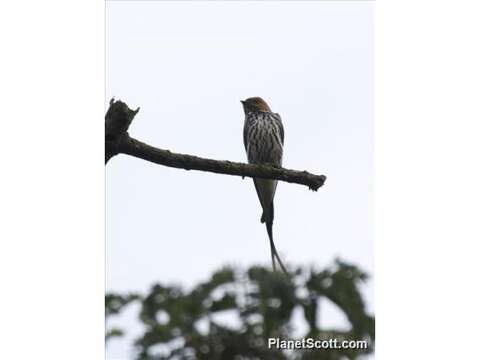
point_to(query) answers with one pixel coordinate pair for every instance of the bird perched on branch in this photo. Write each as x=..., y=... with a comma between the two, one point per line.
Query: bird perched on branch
x=263, y=139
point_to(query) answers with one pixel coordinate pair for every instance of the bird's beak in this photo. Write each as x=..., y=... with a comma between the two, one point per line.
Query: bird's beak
x=242, y=101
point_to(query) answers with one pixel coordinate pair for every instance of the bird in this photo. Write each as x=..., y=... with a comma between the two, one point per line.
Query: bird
x=263, y=137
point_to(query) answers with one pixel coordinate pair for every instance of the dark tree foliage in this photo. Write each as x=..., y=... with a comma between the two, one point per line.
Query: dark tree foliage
x=262, y=300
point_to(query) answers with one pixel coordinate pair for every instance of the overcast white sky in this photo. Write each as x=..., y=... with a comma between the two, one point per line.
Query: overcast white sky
x=187, y=65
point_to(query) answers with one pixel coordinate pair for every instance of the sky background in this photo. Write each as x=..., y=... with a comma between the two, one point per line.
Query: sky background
x=188, y=65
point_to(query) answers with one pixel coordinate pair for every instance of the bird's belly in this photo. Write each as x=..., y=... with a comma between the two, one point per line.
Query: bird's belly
x=258, y=155
x=265, y=151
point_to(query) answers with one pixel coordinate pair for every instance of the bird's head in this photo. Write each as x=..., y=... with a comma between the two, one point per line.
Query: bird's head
x=254, y=104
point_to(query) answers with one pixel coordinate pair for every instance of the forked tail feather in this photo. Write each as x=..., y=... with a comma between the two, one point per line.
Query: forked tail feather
x=273, y=250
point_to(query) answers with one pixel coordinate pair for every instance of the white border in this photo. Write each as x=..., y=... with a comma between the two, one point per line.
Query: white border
x=51, y=187
x=427, y=107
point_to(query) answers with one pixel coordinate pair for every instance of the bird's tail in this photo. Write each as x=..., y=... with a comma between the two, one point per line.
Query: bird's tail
x=273, y=250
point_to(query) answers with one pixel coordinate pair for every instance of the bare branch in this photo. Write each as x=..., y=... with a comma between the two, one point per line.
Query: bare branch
x=118, y=141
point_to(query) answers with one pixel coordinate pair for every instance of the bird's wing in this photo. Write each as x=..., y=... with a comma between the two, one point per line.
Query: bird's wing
x=245, y=133
x=278, y=120
x=265, y=192
x=258, y=191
